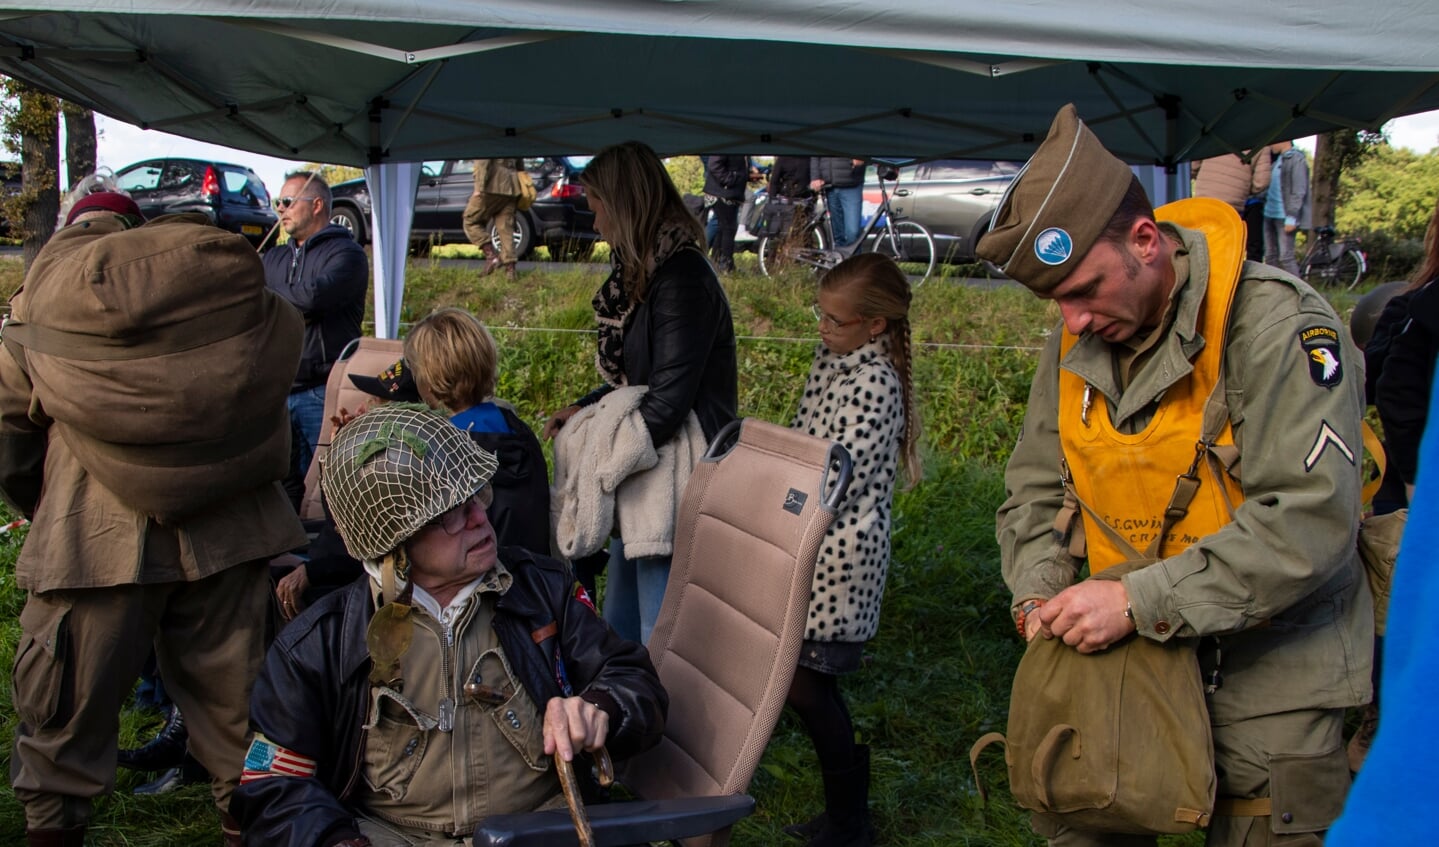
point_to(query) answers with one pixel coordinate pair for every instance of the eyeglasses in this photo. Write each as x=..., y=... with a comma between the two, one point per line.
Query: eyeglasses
x=834, y=323
x=283, y=203
x=453, y=520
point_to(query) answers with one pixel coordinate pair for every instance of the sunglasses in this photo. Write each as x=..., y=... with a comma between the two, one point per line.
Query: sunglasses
x=453, y=520
x=283, y=203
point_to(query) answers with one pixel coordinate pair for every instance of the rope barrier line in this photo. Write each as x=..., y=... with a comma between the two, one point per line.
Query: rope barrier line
x=937, y=345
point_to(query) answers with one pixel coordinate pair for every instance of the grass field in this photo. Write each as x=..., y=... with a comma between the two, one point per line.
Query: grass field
x=946, y=650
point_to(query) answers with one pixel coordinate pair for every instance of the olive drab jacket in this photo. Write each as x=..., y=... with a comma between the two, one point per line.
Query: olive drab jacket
x=498, y=176
x=1282, y=581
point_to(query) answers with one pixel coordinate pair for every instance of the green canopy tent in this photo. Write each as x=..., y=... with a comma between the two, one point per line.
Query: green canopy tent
x=377, y=82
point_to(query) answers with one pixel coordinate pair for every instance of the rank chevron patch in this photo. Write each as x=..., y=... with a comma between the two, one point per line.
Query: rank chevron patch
x=1326, y=437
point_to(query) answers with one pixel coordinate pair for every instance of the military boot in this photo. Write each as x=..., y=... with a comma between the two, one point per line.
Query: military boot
x=492, y=259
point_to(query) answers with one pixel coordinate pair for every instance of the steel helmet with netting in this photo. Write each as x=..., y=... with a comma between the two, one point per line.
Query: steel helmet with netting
x=393, y=470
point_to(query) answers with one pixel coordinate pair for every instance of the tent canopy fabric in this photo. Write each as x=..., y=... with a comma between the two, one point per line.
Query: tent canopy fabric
x=377, y=83
x=364, y=82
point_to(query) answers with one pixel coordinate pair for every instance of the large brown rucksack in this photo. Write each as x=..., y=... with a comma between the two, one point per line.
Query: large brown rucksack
x=160, y=358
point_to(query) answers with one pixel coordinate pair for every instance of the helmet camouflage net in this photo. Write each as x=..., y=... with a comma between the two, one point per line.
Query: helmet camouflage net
x=392, y=470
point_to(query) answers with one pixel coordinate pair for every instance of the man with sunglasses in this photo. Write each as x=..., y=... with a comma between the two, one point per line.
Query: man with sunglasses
x=438, y=689
x=322, y=272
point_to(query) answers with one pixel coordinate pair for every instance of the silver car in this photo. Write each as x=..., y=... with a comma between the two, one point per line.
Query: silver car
x=953, y=198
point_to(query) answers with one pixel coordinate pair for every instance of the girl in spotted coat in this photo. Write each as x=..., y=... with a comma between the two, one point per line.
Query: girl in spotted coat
x=859, y=393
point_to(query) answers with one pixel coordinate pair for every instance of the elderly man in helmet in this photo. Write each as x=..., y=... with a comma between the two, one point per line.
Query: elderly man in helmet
x=434, y=692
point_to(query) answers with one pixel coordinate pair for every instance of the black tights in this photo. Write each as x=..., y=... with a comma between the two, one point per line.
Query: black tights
x=815, y=697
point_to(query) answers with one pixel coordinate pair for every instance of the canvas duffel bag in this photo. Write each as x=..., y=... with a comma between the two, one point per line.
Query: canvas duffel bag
x=162, y=359
x=1115, y=741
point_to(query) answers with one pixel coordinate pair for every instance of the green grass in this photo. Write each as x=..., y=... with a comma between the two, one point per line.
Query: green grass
x=939, y=670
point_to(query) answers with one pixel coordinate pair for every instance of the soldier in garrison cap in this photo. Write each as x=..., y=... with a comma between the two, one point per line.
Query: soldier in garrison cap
x=1163, y=320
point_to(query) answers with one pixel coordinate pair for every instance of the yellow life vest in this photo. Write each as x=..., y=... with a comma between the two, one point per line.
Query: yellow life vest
x=1127, y=481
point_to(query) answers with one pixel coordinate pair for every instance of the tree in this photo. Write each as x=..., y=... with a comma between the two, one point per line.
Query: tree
x=332, y=174
x=1334, y=153
x=79, y=142
x=31, y=124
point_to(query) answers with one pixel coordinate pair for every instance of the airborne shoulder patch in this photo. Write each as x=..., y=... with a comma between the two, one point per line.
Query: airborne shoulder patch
x=1321, y=349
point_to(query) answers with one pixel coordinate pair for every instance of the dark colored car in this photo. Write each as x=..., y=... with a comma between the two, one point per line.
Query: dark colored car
x=232, y=196
x=560, y=218
x=954, y=199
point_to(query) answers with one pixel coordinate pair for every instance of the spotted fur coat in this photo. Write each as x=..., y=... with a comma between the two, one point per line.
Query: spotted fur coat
x=857, y=400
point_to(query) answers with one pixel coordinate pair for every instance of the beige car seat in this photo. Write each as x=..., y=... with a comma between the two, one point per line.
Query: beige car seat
x=363, y=356
x=726, y=643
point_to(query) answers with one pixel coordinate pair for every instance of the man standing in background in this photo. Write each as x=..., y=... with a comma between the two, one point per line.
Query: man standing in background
x=493, y=204
x=1286, y=205
x=1242, y=185
x=842, y=181
x=322, y=272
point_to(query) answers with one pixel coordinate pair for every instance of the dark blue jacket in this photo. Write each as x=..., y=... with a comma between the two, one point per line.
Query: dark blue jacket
x=325, y=278
x=312, y=694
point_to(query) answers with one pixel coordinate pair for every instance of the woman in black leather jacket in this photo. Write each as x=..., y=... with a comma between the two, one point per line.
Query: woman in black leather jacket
x=664, y=322
x=1407, y=374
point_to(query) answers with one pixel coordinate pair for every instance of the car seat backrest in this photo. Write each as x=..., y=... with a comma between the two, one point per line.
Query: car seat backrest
x=368, y=357
x=728, y=636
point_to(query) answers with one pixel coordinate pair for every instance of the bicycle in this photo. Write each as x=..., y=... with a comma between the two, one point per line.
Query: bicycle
x=811, y=244
x=1330, y=262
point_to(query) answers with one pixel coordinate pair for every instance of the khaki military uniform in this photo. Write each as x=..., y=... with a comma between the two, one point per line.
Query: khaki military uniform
x=495, y=201
x=1279, y=588
x=440, y=752
x=106, y=585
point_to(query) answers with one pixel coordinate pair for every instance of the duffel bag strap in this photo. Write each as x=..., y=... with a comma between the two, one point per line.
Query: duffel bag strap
x=984, y=741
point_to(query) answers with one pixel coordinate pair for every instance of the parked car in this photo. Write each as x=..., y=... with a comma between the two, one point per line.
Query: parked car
x=560, y=218
x=233, y=197
x=954, y=199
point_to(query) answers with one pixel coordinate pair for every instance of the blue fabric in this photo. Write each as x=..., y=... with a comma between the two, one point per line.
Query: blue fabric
x=634, y=592
x=1274, y=198
x=485, y=417
x=307, y=411
x=1400, y=778
x=846, y=212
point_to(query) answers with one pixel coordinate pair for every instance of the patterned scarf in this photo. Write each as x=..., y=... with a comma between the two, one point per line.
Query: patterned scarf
x=613, y=305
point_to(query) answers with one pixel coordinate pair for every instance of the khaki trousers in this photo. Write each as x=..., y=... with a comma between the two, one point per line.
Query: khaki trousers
x=79, y=654
x=1297, y=759
x=485, y=209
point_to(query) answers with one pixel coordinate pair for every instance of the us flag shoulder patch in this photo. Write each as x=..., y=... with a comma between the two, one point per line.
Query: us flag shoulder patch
x=265, y=759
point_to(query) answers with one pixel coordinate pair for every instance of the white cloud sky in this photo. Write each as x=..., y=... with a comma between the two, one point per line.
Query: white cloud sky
x=121, y=144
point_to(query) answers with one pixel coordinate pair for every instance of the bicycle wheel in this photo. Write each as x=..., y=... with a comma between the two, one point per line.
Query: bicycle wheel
x=910, y=245
x=1350, y=268
x=778, y=253
x=1316, y=272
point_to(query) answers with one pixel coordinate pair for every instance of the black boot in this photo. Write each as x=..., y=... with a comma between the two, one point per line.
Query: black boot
x=846, y=805
x=809, y=829
x=165, y=750
x=71, y=836
x=188, y=772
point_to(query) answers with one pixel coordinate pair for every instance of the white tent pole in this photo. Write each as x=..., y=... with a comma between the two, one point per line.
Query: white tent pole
x=392, y=205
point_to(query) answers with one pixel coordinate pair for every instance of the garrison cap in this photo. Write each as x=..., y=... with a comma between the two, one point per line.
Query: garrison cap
x=1056, y=208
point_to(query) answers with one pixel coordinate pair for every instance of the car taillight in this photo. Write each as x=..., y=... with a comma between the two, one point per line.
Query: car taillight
x=211, y=186
x=567, y=191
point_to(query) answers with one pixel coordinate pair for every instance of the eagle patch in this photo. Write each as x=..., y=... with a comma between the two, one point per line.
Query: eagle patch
x=1321, y=351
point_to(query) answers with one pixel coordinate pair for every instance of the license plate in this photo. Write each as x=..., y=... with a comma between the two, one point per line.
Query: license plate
x=251, y=229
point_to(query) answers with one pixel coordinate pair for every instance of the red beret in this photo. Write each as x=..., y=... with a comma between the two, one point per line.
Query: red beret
x=120, y=204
